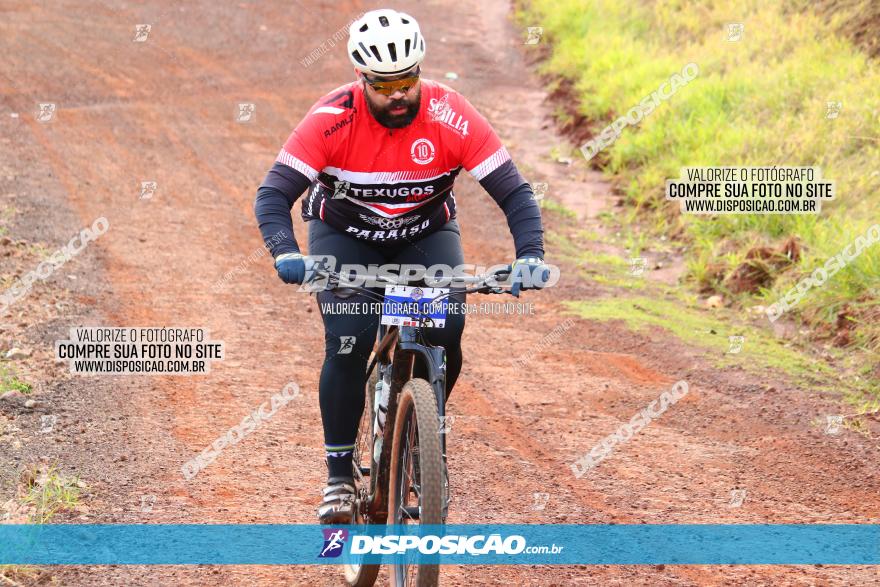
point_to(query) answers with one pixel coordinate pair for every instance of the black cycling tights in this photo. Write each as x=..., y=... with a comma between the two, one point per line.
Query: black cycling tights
x=343, y=375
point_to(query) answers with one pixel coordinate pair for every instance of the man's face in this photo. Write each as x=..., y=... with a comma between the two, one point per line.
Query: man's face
x=396, y=110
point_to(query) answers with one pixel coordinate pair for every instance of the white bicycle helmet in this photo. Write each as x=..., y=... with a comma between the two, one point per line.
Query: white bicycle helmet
x=385, y=43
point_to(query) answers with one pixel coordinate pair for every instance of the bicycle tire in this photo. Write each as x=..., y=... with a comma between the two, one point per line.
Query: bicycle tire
x=416, y=423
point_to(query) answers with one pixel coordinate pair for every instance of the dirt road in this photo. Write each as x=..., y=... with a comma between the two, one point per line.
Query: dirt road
x=164, y=110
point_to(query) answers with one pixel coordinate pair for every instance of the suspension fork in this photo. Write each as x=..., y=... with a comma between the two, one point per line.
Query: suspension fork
x=434, y=357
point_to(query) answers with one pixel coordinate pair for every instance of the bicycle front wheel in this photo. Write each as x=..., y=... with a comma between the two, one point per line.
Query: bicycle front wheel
x=416, y=477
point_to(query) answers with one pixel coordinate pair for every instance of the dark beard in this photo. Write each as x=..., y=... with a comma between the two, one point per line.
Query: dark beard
x=386, y=119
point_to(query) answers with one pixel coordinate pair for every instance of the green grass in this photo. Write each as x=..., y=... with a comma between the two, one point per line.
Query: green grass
x=9, y=380
x=650, y=304
x=706, y=329
x=548, y=204
x=607, y=269
x=760, y=101
x=7, y=213
x=49, y=493
x=39, y=250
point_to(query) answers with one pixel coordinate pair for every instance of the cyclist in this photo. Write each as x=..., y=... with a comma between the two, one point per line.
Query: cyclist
x=379, y=156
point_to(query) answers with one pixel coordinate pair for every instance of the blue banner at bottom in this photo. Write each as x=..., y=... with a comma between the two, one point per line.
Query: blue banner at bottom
x=502, y=544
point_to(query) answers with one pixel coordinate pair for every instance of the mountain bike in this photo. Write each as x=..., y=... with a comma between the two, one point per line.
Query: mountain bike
x=400, y=468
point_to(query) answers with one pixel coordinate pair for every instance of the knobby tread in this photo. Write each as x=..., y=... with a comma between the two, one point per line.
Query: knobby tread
x=418, y=394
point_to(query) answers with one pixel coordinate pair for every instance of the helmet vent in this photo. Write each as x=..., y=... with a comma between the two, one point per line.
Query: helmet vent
x=385, y=43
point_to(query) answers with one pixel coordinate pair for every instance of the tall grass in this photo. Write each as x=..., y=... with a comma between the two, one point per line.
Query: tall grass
x=759, y=101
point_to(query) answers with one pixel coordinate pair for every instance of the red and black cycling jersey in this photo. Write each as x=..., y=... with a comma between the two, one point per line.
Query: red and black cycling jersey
x=386, y=185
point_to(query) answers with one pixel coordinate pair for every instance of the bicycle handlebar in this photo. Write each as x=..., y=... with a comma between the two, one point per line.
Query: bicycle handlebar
x=486, y=283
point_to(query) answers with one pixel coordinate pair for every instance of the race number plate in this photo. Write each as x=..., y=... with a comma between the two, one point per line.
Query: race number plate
x=410, y=306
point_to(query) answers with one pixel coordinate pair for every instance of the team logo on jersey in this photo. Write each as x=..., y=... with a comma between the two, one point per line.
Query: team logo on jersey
x=440, y=111
x=392, y=234
x=388, y=223
x=412, y=194
x=439, y=107
x=339, y=125
x=422, y=151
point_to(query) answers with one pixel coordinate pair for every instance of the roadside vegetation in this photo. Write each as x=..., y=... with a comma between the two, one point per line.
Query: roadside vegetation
x=759, y=101
x=48, y=492
x=644, y=304
x=43, y=492
x=9, y=380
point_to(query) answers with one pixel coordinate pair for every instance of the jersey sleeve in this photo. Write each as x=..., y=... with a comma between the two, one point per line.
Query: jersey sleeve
x=306, y=150
x=296, y=166
x=481, y=150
